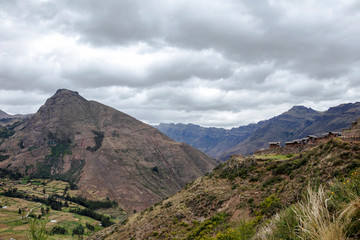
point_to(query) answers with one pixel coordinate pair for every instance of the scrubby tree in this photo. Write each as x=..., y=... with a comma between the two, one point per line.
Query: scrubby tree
x=37, y=229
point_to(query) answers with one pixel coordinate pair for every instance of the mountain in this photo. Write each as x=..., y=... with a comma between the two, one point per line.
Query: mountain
x=211, y=141
x=297, y=122
x=107, y=153
x=256, y=194
x=4, y=115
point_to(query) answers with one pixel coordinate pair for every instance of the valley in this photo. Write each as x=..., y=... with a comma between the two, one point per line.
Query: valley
x=24, y=200
x=79, y=169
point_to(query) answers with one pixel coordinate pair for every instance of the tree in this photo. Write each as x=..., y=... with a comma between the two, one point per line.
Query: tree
x=43, y=211
x=37, y=229
x=79, y=230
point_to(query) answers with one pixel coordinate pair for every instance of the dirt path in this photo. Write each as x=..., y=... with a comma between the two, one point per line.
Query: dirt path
x=32, y=209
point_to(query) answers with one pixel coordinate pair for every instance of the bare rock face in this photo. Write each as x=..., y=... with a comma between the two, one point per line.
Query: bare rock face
x=107, y=153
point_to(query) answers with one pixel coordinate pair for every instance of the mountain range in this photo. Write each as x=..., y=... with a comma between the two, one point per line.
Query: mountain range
x=298, y=122
x=104, y=152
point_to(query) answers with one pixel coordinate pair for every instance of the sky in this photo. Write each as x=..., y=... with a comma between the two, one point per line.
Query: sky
x=219, y=63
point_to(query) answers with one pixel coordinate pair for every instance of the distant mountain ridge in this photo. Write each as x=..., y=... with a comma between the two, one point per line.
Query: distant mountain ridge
x=107, y=153
x=4, y=114
x=211, y=141
x=297, y=122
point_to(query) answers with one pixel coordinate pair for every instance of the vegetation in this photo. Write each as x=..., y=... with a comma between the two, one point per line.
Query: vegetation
x=99, y=137
x=243, y=231
x=331, y=214
x=262, y=198
x=91, y=204
x=59, y=149
x=15, y=175
x=45, y=199
x=37, y=229
x=105, y=220
x=8, y=131
x=79, y=230
x=56, y=203
x=4, y=157
x=58, y=230
x=207, y=226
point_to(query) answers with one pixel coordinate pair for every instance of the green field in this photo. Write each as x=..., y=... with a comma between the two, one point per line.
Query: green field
x=274, y=157
x=15, y=211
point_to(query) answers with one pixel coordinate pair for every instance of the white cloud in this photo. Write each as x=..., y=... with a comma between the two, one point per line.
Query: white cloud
x=217, y=63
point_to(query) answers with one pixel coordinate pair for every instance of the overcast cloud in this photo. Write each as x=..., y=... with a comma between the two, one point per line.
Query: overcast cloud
x=215, y=63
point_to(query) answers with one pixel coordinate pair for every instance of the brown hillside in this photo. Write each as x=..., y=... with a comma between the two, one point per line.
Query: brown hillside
x=105, y=152
x=4, y=114
x=252, y=188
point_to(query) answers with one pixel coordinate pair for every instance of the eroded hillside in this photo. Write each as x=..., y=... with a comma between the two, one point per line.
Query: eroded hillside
x=105, y=152
x=248, y=189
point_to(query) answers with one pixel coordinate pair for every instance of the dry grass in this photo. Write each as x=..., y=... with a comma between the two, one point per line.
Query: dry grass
x=267, y=230
x=317, y=222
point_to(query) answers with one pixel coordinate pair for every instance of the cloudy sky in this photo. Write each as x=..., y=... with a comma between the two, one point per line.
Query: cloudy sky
x=218, y=63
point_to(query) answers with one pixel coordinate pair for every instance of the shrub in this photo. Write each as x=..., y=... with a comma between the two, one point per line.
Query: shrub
x=269, y=206
x=244, y=230
x=99, y=137
x=58, y=230
x=207, y=226
x=272, y=181
x=79, y=230
x=37, y=229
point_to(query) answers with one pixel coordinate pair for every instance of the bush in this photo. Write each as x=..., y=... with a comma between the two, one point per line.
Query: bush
x=244, y=230
x=37, y=229
x=79, y=230
x=58, y=230
x=207, y=226
x=272, y=181
x=269, y=206
x=99, y=137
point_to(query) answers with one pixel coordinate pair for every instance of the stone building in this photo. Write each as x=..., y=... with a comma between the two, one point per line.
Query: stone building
x=273, y=145
x=352, y=134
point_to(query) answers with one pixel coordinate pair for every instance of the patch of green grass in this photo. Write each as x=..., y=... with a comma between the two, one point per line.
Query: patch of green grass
x=208, y=226
x=273, y=157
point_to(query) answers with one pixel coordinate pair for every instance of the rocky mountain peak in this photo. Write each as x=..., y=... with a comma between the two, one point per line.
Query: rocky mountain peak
x=3, y=114
x=301, y=108
x=107, y=153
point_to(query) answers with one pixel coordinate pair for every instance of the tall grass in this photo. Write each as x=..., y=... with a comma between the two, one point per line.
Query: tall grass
x=322, y=215
x=315, y=219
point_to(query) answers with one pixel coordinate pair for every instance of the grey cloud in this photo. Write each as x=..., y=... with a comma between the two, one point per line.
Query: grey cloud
x=252, y=32
x=226, y=58
x=176, y=67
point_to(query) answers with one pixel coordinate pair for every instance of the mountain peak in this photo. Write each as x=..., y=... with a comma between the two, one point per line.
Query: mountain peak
x=299, y=110
x=107, y=153
x=65, y=93
x=64, y=98
x=4, y=114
